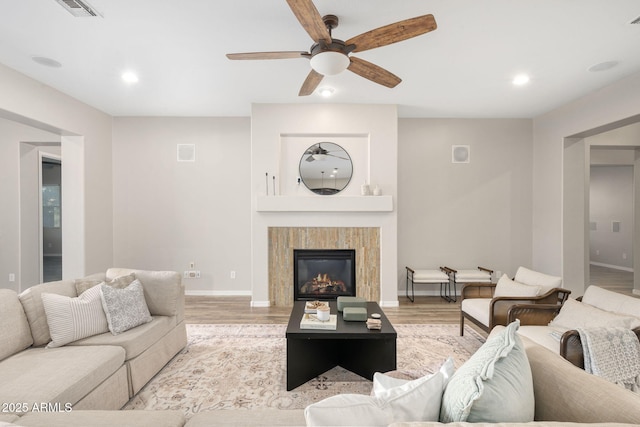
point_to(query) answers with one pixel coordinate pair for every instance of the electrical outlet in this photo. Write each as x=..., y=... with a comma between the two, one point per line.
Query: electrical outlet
x=12, y=277
x=233, y=274
x=624, y=255
x=191, y=274
x=192, y=265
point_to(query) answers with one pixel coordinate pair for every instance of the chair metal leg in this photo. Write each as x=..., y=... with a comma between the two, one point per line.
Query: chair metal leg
x=412, y=297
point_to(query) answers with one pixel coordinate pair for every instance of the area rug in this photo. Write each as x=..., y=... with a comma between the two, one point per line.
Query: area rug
x=244, y=366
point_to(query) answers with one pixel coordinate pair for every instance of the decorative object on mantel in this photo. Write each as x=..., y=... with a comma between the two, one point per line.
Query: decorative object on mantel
x=365, y=190
x=266, y=181
x=377, y=191
x=274, y=185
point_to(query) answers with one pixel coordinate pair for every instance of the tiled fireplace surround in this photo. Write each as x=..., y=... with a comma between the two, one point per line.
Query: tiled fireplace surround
x=283, y=240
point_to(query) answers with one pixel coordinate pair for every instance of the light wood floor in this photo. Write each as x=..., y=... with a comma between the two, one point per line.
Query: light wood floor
x=202, y=309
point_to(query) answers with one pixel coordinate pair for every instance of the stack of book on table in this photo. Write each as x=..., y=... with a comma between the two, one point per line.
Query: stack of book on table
x=310, y=321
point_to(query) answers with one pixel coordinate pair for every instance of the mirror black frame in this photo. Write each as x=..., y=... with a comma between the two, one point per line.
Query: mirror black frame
x=325, y=158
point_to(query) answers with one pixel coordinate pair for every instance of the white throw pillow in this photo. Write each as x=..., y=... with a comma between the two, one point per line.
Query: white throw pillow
x=125, y=308
x=382, y=382
x=71, y=319
x=417, y=400
x=575, y=314
x=530, y=277
x=494, y=385
x=510, y=288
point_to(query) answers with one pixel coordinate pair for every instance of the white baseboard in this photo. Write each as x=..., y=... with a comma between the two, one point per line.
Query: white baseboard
x=395, y=303
x=260, y=303
x=615, y=267
x=212, y=293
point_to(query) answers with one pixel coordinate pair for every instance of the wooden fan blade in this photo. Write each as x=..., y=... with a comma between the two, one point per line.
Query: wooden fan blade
x=310, y=19
x=393, y=33
x=373, y=72
x=310, y=83
x=266, y=55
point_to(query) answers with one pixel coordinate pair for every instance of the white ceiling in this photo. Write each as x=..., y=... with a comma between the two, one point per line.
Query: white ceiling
x=463, y=69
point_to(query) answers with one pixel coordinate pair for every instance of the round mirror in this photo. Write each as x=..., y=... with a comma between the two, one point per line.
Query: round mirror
x=326, y=168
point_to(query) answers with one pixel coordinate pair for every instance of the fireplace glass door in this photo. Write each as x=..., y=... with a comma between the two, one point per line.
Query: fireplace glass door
x=324, y=274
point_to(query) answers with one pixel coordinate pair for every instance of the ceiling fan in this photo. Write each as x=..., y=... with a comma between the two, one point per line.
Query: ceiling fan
x=316, y=152
x=330, y=56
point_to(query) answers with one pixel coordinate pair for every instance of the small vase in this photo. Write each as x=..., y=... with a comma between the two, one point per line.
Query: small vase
x=365, y=190
x=377, y=191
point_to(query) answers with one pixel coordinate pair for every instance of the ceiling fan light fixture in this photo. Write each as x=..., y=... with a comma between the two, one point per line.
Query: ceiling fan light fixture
x=330, y=63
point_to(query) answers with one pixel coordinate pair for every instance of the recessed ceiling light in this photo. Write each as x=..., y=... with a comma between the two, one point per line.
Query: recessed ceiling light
x=47, y=62
x=603, y=66
x=129, y=77
x=521, y=79
x=326, y=91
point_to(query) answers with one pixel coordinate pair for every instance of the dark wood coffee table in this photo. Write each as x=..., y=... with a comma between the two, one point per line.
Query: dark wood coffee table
x=311, y=352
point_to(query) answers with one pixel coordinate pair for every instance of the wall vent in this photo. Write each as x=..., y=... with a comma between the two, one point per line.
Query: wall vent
x=635, y=21
x=460, y=154
x=79, y=8
x=186, y=152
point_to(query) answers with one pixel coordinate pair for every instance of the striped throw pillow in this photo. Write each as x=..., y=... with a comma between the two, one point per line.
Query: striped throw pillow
x=71, y=319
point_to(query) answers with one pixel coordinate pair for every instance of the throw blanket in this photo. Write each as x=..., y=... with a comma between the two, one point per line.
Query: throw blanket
x=612, y=353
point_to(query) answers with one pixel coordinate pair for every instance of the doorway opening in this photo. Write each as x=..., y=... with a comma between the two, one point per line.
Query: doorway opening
x=50, y=217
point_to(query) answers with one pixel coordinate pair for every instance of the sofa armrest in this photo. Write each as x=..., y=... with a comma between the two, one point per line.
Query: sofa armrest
x=499, y=307
x=565, y=393
x=533, y=314
x=571, y=347
x=477, y=290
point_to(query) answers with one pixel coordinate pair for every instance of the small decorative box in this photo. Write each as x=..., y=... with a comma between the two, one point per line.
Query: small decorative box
x=351, y=302
x=354, y=314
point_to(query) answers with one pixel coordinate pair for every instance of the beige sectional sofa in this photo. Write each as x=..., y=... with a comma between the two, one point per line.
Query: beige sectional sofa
x=100, y=372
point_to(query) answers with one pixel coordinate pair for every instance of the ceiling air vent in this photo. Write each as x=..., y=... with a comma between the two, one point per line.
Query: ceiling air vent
x=78, y=8
x=635, y=21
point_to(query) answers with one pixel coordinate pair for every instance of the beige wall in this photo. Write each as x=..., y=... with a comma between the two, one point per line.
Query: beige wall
x=12, y=135
x=464, y=215
x=169, y=213
x=86, y=136
x=560, y=172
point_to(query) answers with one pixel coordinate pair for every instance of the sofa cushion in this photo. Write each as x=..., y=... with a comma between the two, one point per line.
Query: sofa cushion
x=71, y=319
x=494, y=385
x=31, y=300
x=417, y=400
x=136, y=340
x=575, y=314
x=612, y=301
x=118, y=282
x=542, y=335
x=478, y=308
x=125, y=308
x=162, y=289
x=510, y=288
x=530, y=277
x=58, y=375
x=15, y=334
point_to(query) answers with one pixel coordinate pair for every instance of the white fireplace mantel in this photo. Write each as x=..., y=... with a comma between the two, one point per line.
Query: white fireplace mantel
x=382, y=203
